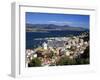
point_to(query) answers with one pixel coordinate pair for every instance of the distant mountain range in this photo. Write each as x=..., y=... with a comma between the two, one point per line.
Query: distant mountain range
x=51, y=27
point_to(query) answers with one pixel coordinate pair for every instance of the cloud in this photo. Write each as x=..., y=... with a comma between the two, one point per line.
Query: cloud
x=74, y=24
x=61, y=22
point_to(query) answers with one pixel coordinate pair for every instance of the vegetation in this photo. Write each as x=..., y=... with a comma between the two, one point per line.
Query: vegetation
x=82, y=59
x=66, y=61
x=34, y=62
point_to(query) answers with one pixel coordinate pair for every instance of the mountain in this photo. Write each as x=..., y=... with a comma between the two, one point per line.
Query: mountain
x=50, y=27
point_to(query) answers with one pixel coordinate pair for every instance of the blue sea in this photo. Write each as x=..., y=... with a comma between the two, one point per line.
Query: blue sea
x=32, y=42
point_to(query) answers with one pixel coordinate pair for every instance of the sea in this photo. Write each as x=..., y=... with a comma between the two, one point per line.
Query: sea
x=33, y=41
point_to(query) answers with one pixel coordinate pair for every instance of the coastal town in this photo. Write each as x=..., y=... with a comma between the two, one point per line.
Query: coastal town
x=58, y=51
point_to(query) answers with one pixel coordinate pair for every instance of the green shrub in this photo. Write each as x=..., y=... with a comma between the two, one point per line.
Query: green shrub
x=35, y=62
x=82, y=61
x=66, y=61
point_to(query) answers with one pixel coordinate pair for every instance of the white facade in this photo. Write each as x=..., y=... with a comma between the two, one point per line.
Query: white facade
x=45, y=45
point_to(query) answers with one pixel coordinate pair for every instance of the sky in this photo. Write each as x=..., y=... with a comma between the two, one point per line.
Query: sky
x=74, y=20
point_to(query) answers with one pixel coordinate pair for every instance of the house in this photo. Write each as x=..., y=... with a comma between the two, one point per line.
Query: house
x=44, y=45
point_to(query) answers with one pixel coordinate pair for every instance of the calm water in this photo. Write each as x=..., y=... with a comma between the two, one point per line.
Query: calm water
x=31, y=41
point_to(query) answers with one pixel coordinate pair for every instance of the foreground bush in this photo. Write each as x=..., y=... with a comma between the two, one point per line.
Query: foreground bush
x=35, y=62
x=66, y=61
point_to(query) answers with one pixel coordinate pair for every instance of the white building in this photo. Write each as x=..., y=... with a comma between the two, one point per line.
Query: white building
x=44, y=45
